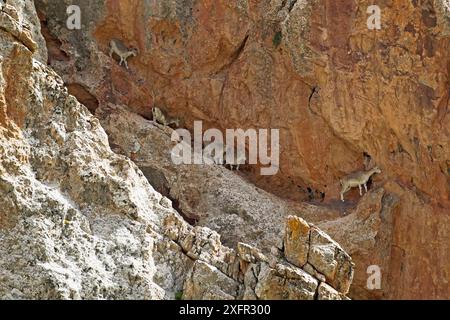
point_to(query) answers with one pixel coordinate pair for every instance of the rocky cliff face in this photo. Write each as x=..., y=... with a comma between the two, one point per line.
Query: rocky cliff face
x=311, y=68
x=78, y=221
x=344, y=98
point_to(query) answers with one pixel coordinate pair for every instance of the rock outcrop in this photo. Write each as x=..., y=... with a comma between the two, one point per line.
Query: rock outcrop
x=246, y=273
x=79, y=221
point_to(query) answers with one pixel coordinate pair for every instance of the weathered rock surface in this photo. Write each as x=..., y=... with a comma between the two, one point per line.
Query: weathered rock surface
x=20, y=20
x=205, y=194
x=296, y=241
x=246, y=273
x=343, y=96
x=78, y=221
x=208, y=195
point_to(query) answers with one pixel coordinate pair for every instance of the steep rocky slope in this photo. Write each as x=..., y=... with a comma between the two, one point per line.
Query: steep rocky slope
x=344, y=97
x=216, y=197
x=78, y=221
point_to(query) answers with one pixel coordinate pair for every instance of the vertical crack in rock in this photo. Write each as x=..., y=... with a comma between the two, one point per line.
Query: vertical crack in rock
x=235, y=56
x=292, y=3
x=314, y=92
